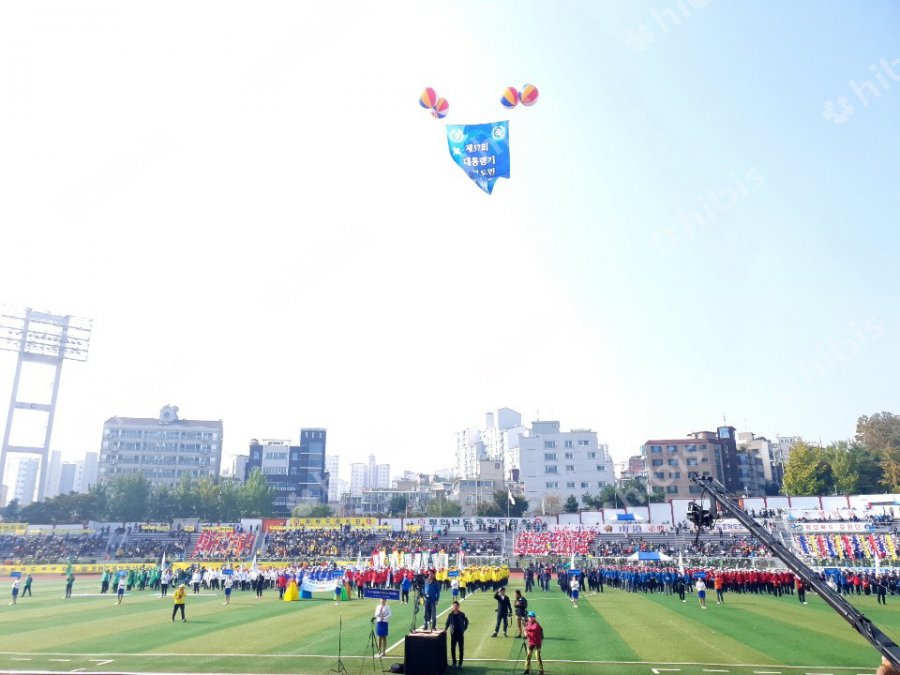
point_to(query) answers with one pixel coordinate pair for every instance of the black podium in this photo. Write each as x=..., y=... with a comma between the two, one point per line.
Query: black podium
x=425, y=653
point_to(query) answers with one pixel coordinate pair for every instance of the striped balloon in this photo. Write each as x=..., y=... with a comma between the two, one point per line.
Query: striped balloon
x=510, y=98
x=428, y=98
x=441, y=108
x=529, y=94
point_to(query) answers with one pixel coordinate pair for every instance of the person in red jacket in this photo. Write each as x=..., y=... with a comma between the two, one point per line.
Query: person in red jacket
x=801, y=590
x=534, y=638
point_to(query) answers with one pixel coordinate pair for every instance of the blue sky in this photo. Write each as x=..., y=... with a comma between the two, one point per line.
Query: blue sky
x=267, y=229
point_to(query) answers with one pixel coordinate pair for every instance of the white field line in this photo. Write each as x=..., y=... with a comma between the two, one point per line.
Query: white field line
x=807, y=668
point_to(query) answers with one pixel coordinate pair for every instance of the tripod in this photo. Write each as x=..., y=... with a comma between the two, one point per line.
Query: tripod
x=339, y=667
x=372, y=647
x=523, y=647
x=416, y=603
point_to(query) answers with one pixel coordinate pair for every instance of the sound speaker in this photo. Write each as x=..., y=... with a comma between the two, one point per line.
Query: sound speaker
x=425, y=653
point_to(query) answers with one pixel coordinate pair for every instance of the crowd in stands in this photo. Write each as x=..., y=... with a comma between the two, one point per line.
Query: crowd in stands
x=229, y=545
x=174, y=546
x=52, y=548
x=563, y=541
x=344, y=541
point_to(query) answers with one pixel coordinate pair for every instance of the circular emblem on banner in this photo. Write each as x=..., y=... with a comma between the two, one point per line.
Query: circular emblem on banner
x=499, y=133
x=456, y=135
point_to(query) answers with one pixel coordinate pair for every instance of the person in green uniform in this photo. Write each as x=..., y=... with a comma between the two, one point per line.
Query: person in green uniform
x=26, y=589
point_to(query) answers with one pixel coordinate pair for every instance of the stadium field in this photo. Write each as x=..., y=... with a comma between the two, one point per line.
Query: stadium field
x=614, y=632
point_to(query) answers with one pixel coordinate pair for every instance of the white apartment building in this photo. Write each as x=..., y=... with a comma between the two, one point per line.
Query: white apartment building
x=26, y=478
x=560, y=463
x=87, y=472
x=332, y=466
x=497, y=440
x=371, y=476
x=162, y=449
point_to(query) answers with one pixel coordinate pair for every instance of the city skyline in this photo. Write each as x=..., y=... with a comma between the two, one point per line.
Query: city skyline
x=698, y=222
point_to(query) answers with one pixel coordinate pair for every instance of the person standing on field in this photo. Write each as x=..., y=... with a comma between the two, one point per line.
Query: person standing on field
x=178, y=597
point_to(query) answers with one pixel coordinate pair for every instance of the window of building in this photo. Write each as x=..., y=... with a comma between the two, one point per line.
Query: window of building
x=695, y=489
x=570, y=467
x=570, y=455
x=549, y=445
x=672, y=448
x=570, y=485
x=672, y=489
x=551, y=469
x=693, y=474
x=585, y=484
x=691, y=461
x=584, y=442
x=659, y=474
x=592, y=455
x=569, y=444
x=601, y=467
x=549, y=456
x=673, y=462
x=674, y=474
x=705, y=460
x=552, y=484
x=657, y=462
x=691, y=448
x=656, y=449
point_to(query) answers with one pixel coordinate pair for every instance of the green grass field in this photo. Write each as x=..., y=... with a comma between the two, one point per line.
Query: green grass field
x=614, y=632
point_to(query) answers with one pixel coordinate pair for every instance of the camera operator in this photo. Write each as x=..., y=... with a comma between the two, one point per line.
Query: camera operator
x=457, y=624
x=521, y=608
x=504, y=611
x=534, y=638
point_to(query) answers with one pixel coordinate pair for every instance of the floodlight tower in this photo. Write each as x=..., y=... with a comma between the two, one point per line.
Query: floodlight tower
x=46, y=340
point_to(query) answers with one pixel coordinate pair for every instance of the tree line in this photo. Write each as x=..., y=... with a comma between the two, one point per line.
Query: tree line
x=868, y=464
x=131, y=497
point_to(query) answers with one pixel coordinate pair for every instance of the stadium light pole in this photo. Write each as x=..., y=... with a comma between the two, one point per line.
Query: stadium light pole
x=46, y=340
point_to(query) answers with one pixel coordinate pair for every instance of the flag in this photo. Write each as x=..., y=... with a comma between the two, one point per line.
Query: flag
x=680, y=563
x=253, y=567
x=359, y=562
x=572, y=561
x=512, y=501
x=162, y=564
x=543, y=510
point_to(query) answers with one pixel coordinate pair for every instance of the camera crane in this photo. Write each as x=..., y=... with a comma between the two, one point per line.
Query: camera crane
x=705, y=518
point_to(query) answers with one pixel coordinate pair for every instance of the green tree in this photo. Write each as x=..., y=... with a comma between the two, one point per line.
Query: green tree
x=807, y=472
x=880, y=435
x=186, y=498
x=441, y=507
x=129, y=497
x=257, y=496
x=397, y=506
x=571, y=504
x=10, y=512
x=854, y=470
x=307, y=510
x=209, y=507
x=499, y=506
x=163, y=506
x=229, y=501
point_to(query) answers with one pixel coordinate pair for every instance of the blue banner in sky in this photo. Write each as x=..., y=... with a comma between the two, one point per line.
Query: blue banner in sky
x=481, y=150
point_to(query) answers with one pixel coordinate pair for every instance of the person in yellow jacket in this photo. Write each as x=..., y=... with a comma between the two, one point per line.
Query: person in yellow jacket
x=179, y=596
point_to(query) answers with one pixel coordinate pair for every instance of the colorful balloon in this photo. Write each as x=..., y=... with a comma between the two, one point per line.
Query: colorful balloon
x=428, y=98
x=529, y=95
x=510, y=98
x=441, y=108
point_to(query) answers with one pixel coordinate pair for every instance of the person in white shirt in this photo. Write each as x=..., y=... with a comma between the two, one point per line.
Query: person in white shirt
x=196, y=578
x=700, y=586
x=574, y=586
x=382, y=616
x=227, y=584
x=120, y=591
